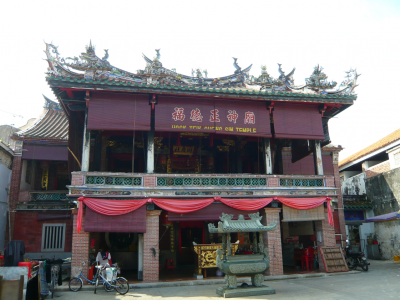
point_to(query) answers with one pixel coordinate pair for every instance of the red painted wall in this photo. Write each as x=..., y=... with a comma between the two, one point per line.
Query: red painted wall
x=29, y=230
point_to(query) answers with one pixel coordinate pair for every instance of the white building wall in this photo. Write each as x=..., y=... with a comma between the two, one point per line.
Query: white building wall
x=388, y=234
x=354, y=185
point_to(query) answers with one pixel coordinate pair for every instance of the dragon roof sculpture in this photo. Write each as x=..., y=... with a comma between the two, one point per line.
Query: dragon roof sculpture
x=91, y=67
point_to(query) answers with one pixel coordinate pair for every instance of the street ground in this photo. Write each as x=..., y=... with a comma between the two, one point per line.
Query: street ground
x=382, y=282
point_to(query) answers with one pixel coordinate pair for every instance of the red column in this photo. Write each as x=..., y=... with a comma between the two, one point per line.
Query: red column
x=151, y=238
x=272, y=240
x=327, y=237
x=14, y=190
x=80, y=247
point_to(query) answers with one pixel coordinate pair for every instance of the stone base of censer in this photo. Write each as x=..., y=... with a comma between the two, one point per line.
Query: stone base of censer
x=244, y=291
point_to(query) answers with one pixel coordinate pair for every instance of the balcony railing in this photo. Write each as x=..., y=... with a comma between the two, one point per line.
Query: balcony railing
x=301, y=182
x=108, y=180
x=48, y=196
x=170, y=185
x=213, y=181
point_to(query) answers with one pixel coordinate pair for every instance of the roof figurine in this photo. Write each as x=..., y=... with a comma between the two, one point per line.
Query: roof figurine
x=89, y=67
x=238, y=69
x=158, y=54
x=106, y=56
x=319, y=81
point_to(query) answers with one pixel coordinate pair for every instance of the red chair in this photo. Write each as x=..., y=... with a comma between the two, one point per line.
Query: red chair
x=170, y=264
x=308, y=259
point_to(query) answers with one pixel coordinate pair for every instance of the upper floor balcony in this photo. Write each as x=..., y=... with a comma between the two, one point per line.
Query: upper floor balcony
x=108, y=184
x=44, y=200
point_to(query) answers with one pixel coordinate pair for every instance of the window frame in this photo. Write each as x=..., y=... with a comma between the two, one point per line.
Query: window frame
x=47, y=225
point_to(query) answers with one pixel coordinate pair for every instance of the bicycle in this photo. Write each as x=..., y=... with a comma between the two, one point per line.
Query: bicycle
x=119, y=284
x=75, y=284
x=54, y=278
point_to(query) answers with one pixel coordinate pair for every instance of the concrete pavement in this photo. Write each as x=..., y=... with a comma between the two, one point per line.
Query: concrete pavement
x=382, y=281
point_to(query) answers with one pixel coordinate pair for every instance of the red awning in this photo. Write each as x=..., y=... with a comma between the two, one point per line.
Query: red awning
x=298, y=121
x=119, y=111
x=134, y=221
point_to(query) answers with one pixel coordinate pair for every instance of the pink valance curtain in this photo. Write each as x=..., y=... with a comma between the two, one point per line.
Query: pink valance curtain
x=307, y=203
x=107, y=207
x=182, y=206
x=246, y=204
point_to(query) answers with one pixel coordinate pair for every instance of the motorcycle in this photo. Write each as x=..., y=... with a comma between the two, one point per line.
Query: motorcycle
x=356, y=259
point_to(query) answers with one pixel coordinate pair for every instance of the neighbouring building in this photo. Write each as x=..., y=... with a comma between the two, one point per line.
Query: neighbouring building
x=40, y=210
x=370, y=187
x=156, y=156
x=6, y=159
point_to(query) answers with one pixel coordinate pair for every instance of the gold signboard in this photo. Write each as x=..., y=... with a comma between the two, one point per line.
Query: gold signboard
x=207, y=255
x=183, y=150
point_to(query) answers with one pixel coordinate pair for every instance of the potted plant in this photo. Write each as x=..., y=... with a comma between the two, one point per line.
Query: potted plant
x=370, y=239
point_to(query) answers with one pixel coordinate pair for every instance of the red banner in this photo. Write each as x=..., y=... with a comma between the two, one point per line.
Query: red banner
x=212, y=116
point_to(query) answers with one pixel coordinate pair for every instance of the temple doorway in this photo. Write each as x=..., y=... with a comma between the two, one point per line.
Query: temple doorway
x=298, y=241
x=123, y=250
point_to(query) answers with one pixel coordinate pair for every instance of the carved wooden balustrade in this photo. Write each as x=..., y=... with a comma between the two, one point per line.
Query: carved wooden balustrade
x=108, y=184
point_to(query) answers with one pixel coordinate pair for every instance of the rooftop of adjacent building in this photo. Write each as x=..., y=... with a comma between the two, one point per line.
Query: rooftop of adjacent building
x=52, y=124
x=372, y=151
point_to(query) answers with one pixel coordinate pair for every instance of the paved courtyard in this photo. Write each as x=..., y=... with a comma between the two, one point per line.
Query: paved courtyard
x=382, y=281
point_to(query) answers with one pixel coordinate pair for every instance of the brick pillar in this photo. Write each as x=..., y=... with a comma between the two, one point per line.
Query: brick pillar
x=327, y=236
x=14, y=189
x=80, y=247
x=151, y=262
x=339, y=196
x=272, y=240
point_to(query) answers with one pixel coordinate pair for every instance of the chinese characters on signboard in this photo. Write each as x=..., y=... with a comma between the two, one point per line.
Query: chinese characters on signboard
x=225, y=117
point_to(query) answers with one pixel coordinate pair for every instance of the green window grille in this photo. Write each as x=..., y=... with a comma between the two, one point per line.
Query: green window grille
x=213, y=181
x=113, y=180
x=48, y=196
x=301, y=182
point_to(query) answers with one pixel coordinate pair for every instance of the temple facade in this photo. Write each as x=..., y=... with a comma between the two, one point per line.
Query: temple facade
x=156, y=156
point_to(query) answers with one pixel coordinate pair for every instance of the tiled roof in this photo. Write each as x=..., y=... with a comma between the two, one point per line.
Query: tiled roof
x=394, y=136
x=222, y=90
x=52, y=125
x=363, y=204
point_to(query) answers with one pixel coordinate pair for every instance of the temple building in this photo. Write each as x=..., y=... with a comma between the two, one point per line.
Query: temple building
x=156, y=156
x=40, y=211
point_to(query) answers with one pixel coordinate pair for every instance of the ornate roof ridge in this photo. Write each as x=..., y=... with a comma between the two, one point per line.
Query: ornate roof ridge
x=88, y=66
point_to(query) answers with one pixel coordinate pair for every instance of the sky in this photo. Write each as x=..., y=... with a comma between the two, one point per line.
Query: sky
x=338, y=35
